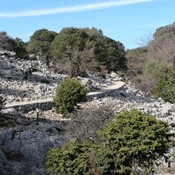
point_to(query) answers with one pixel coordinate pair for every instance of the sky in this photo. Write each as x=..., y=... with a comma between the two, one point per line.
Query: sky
x=128, y=21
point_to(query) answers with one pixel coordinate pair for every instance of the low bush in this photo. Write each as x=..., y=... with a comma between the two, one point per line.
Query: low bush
x=68, y=94
x=86, y=122
x=165, y=86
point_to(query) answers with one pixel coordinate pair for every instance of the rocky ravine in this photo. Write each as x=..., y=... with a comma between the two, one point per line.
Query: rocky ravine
x=23, y=145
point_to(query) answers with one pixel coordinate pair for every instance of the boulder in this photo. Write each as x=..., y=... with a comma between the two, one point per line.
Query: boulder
x=23, y=148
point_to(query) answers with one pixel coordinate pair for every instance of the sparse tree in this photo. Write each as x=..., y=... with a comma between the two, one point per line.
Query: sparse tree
x=136, y=59
x=162, y=46
x=145, y=67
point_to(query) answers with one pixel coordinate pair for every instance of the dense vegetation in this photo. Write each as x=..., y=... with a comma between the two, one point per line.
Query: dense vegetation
x=68, y=94
x=83, y=50
x=77, y=51
x=152, y=67
x=165, y=85
x=128, y=145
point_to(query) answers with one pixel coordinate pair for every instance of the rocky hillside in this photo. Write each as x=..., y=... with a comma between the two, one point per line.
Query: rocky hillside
x=28, y=80
x=23, y=143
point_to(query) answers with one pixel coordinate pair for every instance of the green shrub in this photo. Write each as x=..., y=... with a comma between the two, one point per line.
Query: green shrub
x=72, y=159
x=128, y=145
x=136, y=140
x=165, y=86
x=68, y=94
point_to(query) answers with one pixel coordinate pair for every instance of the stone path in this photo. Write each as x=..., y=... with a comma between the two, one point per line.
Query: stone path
x=116, y=85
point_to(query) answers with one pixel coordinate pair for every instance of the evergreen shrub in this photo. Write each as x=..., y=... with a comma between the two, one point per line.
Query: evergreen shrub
x=68, y=94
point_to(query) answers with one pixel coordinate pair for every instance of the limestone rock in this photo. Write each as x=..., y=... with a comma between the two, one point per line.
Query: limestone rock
x=24, y=148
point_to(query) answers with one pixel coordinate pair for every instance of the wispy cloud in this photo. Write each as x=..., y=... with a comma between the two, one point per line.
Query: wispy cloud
x=71, y=9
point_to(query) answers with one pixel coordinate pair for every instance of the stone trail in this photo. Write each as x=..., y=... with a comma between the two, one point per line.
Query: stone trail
x=116, y=85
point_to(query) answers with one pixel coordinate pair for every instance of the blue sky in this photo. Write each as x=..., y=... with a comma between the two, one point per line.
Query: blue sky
x=122, y=20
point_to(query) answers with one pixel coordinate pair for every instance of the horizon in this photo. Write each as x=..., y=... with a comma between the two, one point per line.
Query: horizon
x=127, y=21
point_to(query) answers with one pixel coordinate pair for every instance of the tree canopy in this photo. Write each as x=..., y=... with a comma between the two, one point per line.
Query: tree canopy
x=79, y=50
x=40, y=44
x=6, y=42
x=20, y=49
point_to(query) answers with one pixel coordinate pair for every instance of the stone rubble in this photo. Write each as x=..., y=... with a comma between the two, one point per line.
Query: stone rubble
x=40, y=84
